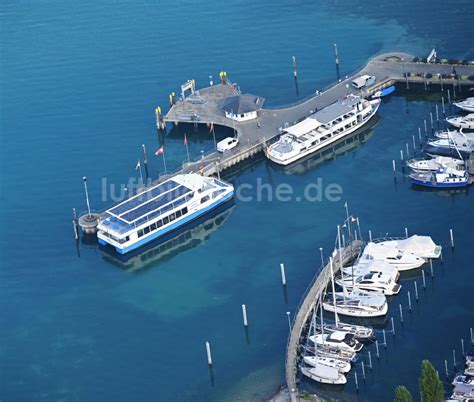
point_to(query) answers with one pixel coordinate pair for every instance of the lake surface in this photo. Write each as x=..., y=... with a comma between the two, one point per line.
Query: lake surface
x=79, y=85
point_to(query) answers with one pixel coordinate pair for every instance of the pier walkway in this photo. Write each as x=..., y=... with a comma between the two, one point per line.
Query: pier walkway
x=388, y=68
x=305, y=310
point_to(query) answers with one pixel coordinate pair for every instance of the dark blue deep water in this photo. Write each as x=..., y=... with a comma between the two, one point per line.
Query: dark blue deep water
x=79, y=84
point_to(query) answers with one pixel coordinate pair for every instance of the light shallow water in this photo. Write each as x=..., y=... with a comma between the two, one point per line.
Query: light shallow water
x=80, y=81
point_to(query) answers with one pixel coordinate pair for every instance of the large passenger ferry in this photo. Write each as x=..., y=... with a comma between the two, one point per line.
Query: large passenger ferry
x=161, y=209
x=322, y=129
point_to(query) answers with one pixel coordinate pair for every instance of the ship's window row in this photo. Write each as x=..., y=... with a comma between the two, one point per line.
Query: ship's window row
x=158, y=224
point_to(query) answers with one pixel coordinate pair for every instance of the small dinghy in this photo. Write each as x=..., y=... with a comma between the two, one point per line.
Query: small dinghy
x=462, y=121
x=324, y=374
x=384, y=92
x=340, y=365
x=466, y=105
x=440, y=179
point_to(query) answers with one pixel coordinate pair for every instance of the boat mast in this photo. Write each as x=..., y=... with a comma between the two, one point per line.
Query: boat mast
x=322, y=322
x=333, y=292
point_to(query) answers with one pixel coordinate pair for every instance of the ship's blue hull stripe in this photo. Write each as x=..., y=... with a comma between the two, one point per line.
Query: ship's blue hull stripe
x=438, y=185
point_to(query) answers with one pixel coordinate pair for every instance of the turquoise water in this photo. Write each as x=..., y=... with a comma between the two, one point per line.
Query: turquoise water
x=80, y=82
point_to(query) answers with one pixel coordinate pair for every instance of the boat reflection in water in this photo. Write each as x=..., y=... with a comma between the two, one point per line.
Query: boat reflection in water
x=187, y=237
x=339, y=148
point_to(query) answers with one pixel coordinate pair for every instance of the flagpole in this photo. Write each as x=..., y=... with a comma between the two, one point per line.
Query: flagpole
x=144, y=160
x=213, y=134
x=141, y=174
x=164, y=161
x=187, y=149
x=87, y=195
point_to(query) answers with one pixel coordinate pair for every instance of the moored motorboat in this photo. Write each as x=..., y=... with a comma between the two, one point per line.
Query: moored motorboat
x=458, y=146
x=356, y=304
x=463, y=379
x=324, y=374
x=371, y=282
x=422, y=246
x=361, y=333
x=345, y=355
x=339, y=340
x=399, y=259
x=383, y=92
x=466, y=105
x=434, y=163
x=443, y=134
x=341, y=365
x=466, y=122
x=372, y=266
x=463, y=392
x=440, y=179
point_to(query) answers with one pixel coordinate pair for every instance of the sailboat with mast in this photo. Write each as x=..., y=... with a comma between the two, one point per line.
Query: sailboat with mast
x=355, y=303
x=322, y=357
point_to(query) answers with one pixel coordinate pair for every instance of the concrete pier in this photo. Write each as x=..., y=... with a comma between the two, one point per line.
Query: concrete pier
x=203, y=106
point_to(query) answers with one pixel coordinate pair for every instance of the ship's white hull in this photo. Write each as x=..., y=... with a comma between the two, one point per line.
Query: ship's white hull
x=341, y=365
x=313, y=374
x=356, y=312
x=326, y=143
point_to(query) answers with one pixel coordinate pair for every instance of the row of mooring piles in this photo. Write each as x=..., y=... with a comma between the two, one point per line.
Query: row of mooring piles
x=399, y=314
x=295, y=72
x=246, y=324
x=437, y=120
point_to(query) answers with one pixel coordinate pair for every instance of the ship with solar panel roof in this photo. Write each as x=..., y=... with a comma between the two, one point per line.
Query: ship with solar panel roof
x=161, y=209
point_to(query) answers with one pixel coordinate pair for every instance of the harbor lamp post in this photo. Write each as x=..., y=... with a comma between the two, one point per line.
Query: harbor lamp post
x=289, y=322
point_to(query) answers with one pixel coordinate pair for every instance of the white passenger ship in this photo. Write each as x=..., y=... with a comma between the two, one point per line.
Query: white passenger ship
x=322, y=129
x=161, y=209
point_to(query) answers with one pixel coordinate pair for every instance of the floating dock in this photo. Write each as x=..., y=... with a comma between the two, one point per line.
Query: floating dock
x=203, y=106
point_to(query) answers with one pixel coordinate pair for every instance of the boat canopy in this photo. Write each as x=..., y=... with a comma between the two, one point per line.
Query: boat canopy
x=378, y=250
x=422, y=246
x=338, y=335
x=303, y=127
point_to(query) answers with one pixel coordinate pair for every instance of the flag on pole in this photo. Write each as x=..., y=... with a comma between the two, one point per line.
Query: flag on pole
x=185, y=139
x=138, y=165
x=160, y=151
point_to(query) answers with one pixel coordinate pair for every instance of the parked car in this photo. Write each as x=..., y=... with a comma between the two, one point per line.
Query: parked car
x=363, y=81
x=227, y=144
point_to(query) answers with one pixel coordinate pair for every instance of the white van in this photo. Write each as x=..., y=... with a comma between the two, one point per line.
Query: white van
x=227, y=144
x=363, y=81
